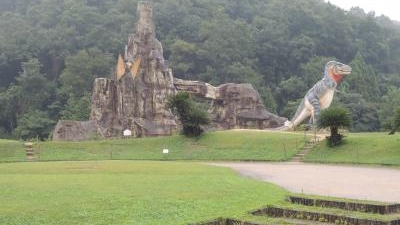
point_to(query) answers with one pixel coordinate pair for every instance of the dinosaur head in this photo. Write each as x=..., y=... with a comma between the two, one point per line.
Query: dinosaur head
x=337, y=70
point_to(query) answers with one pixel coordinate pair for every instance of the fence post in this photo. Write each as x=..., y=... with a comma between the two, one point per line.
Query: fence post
x=284, y=150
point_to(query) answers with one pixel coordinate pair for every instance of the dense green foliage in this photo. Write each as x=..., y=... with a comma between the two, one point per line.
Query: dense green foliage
x=396, y=122
x=223, y=145
x=190, y=115
x=334, y=118
x=127, y=192
x=51, y=50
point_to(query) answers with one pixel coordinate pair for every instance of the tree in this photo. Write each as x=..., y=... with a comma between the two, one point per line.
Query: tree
x=364, y=114
x=396, y=122
x=183, y=57
x=268, y=98
x=81, y=70
x=35, y=124
x=77, y=108
x=191, y=116
x=77, y=81
x=228, y=55
x=363, y=79
x=313, y=70
x=291, y=90
x=334, y=118
x=387, y=107
x=35, y=90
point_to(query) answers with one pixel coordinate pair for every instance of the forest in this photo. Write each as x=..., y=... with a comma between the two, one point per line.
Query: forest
x=52, y=50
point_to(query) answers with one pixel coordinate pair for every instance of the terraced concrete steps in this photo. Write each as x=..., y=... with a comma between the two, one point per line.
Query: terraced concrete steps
x=368, y=207
x=335, y=212
x=300, y=155
x=307, y=147
x=323, y=217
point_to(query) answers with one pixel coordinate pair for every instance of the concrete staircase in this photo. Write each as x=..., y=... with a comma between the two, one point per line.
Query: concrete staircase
x=315, y=210
x=304, y=210
x=307, y=147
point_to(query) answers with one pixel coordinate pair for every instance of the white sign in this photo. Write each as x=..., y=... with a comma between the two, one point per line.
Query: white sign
x=127, y=133
x=165, y=151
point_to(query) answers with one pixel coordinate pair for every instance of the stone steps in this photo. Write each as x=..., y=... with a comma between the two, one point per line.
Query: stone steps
x=30, y=151
x=313, y=215
x=318, y=211
x=300, y=155
x=359, y=206
x=306, y=148
x=340, y=212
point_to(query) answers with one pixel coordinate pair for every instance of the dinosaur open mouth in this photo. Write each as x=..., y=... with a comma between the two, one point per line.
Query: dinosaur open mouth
x=343, y=70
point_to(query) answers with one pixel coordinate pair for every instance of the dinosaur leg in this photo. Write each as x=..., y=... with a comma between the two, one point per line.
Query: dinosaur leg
x=310, y=121
x=316, y=109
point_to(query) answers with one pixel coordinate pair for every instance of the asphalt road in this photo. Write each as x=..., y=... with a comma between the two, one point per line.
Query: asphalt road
x=356, y=182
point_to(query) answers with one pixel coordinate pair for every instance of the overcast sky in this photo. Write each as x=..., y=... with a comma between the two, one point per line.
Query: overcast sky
x=389, y=8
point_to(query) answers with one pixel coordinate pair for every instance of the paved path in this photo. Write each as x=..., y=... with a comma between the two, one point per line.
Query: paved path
x=356, y=182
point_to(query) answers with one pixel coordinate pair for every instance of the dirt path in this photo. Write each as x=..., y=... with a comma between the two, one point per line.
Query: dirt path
x=356, y=182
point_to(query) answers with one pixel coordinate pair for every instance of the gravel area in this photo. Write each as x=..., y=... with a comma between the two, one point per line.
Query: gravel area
x=356, y=182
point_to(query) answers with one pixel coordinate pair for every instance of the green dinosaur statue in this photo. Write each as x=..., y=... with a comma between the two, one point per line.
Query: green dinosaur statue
x=320, y=96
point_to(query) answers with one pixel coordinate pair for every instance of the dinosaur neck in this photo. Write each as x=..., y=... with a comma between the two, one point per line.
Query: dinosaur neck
x=337, y=78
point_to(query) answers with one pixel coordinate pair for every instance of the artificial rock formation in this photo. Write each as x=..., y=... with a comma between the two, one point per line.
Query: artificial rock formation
x=69, y=130
x=240, y=106
x=134, y=98
x=232, y=105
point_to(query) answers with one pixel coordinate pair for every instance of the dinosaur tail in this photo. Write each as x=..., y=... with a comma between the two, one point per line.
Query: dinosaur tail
x=287, y=126
x=289, y=123
x=298, y=111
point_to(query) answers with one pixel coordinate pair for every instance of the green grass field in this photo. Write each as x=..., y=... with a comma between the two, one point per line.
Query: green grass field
x=127, y=192
x=224, y=145
x=88, y=188
x=360, y=148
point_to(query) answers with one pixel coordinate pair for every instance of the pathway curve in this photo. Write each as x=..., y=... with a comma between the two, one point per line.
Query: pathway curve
x=356, y=182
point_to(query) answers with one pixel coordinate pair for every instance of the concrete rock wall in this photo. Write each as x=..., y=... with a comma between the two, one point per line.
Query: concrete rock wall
x=135, y=96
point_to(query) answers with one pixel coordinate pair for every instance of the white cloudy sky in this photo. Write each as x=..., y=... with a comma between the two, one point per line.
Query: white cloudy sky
x=389, y=8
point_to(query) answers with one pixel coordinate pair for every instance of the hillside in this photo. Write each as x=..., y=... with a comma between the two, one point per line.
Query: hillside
x=214, y=146
x=233, y=145
x=51, y=51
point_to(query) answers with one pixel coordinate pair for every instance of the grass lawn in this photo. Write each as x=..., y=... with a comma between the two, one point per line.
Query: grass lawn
x=221, y=145
x=127, y=192
x=87, y=188
x=11, y=151
x=363, y=148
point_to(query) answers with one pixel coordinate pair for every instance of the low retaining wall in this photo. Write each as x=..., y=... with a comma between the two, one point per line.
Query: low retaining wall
x=319, y=217
x=349, y=206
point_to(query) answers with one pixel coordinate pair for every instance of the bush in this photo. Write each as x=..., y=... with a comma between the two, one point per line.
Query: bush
x=35, y=124
x=190, y=115
x=334, y=118
x=396, y=122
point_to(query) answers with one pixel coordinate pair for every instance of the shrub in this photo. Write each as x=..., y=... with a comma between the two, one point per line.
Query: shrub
x=334, y=118
x=190, y=115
